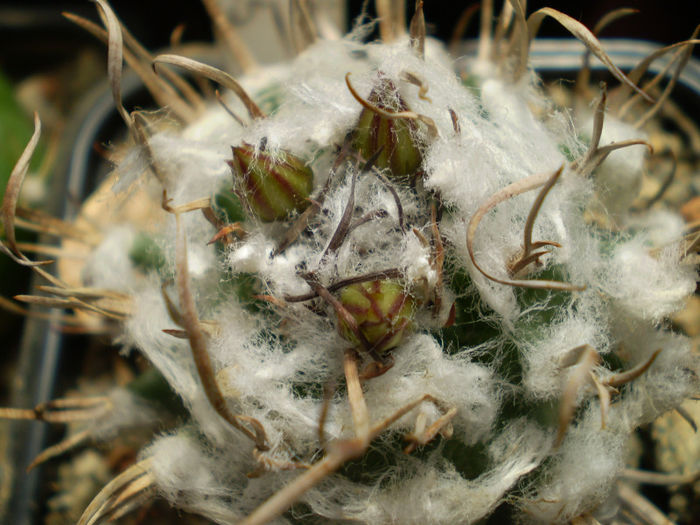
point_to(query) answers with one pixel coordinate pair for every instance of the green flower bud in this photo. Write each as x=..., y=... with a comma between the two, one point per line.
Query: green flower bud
x=383, y=311
x=401, y=153
x=273, y=187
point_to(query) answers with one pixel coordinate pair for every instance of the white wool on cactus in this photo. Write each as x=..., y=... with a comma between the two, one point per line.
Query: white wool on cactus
x=411, y=255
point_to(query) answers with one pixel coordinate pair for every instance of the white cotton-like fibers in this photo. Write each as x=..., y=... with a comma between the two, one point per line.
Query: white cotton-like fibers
x=619, y=178
x=110, y=262
x=644, y=274
x=672, y=377
x=507, y=354
x=424, y=369
x=195, y=169
x=584, y=469
x=653, y=293
x=126, y=411
x=581, y=473
x=202, y=480
x=546, y=353
x=436, y=492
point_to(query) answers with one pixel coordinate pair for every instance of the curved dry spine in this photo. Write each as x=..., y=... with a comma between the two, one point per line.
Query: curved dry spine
x=339, y=452
x=412, y=78
x=651, y=85
x=212, y=73
x=598, y=120
x=595, y=154
x=417, y=29
x=162, y=92
x=408, y=115
x=647, y=477
x=229, y=35
x=589, y=40
x=622, y=92
x=588, y=359
x=461, y=26
x=622, y=378
x=392, y=19
x=39, y=222
x=519, y=43
x=528, y=256
x=71, y=442
x=63, y=410
x=198, y=343
x=189, y=94
x=584, y=74
x=115, y=52
x=9, y=209
x=303, y=27
x=584, y=374
x=128, y=490
x=9, y=200
x=682, y=61
x=601, y=153
x=510, y=191
x=639, y=506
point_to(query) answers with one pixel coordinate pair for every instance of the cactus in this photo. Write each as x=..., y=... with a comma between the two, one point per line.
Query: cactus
x=504, y=313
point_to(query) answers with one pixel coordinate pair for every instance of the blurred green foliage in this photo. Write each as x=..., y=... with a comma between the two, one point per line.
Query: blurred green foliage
x=15, y=130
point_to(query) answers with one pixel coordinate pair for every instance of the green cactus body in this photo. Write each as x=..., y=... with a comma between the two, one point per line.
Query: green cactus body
x=227, y=206
x=401, y=154
x=383, y=311
x=146, y=254
x=272, y=188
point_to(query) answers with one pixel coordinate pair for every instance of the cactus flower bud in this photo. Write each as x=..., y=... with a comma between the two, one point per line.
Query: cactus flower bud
x=401, y=152
x=273, y=187
x=383, y=311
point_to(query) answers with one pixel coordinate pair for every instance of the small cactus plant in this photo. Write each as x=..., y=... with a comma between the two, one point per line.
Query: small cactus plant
x=446, y=268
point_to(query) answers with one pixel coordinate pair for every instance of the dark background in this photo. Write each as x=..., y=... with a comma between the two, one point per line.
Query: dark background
x=34, y=36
